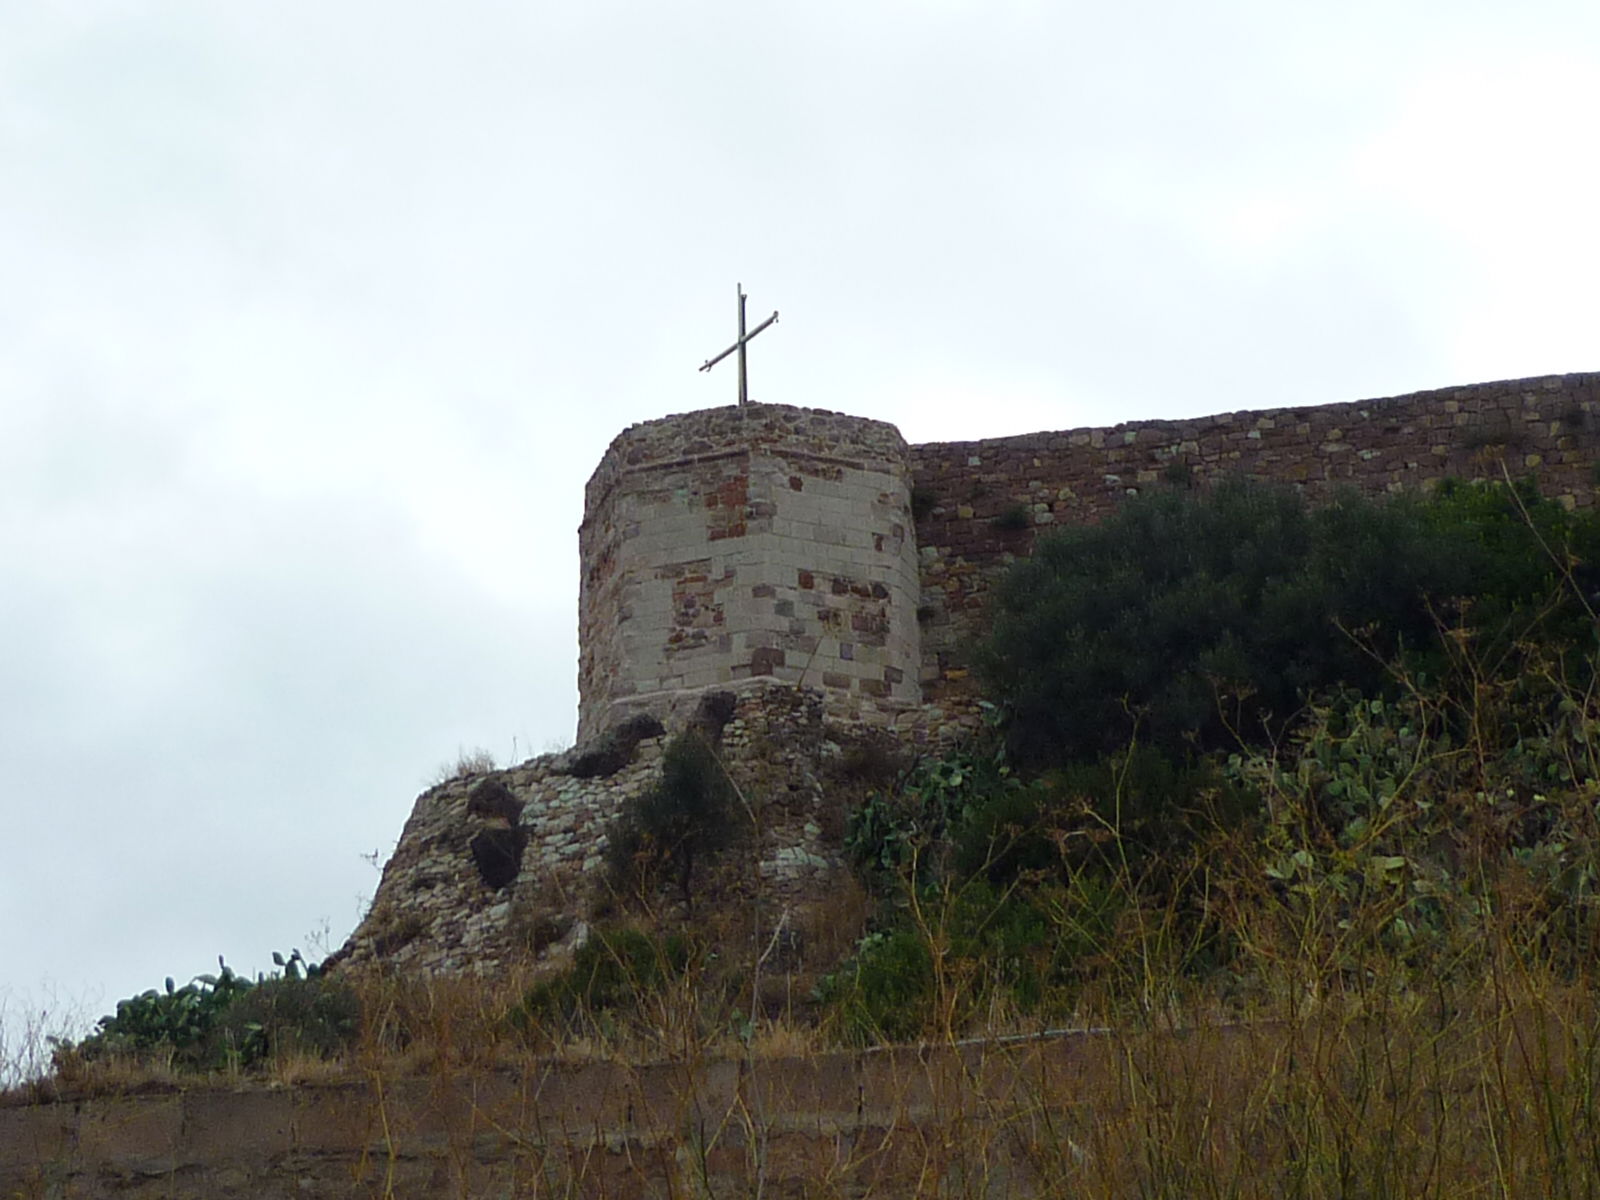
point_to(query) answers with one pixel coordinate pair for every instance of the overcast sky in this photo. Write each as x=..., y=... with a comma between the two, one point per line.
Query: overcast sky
x=316, y=317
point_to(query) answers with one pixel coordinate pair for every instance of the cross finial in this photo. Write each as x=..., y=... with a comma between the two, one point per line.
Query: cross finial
x=744, y=338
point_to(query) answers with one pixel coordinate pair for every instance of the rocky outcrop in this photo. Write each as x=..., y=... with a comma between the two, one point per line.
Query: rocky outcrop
x=508, y=865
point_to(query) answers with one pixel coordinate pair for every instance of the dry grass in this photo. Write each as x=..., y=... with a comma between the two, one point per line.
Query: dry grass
x=1408, y=1006
x=1375, y=1079
x=1478, y=1090
x=29, y=1028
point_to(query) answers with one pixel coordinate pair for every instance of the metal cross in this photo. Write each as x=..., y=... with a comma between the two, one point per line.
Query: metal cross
x=744, y=385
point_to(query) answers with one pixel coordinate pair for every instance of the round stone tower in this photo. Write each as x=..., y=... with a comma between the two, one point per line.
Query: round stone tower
x=748, y=543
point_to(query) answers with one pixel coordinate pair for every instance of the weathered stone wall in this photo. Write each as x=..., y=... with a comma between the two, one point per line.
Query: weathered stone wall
x=769, y=550
x=744, y=543
x=435, y=911
x=1006, y=1119
x=438, y=909
x=981, y=504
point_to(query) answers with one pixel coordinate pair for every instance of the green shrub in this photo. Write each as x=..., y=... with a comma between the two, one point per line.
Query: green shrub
x=675, y=826
x=1200, y=620
x=290, y=1015
x=1004, y=947
x=885, y=992
x=177, y=1022
x=613, y=971
x=898, y=827
x=1532, y=567
x=226, y=1020
x=1389, y=836
x=1010, y=834
x=1137, y=816
x=1017, y=949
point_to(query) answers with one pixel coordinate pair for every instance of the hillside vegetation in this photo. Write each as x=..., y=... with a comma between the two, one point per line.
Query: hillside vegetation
x=1333, y=773
x=1252, y=752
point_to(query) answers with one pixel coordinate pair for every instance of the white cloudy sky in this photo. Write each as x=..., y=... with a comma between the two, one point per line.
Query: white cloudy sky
x=316, y=316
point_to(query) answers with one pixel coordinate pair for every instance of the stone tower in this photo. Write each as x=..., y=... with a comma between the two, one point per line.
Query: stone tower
x=747, y=543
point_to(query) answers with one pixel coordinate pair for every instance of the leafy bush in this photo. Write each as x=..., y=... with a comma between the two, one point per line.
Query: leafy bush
x=178, y=1022
x=291, y=1014
x=1389, y=836
x=961, y=952
x=1124, y=811
x=885, y=992
x=226, y=1020
x=1532, y=568
x=1021, y=887
x=1200, y=620
x=685, y=818
x=897, y=825
x=1008, y=835
x=614, y=970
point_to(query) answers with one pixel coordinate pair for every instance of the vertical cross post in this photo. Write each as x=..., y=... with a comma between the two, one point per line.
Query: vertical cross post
x=744, y=378
x=744, y=340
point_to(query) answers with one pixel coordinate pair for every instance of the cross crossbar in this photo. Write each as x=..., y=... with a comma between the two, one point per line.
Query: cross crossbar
x=744, y=340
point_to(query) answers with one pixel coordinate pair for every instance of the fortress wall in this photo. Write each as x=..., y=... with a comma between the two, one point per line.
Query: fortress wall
x=982, y=503
x=751, y=549
x=436, y=911
x=736, y=544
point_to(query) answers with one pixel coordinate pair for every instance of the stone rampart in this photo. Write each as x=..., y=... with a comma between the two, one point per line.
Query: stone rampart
x=768, y=553
x=981, y=504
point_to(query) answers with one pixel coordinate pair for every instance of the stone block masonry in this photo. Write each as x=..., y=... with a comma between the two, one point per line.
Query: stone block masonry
x=983, y=503
x=749, y=543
